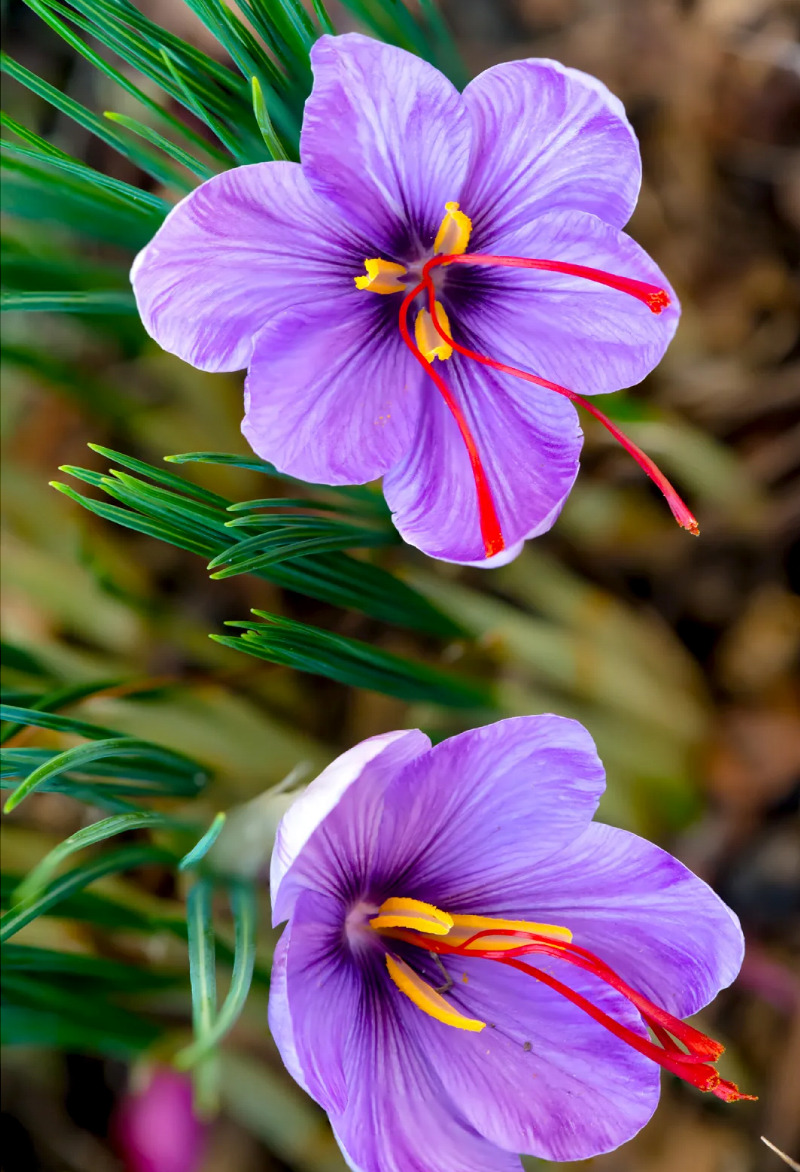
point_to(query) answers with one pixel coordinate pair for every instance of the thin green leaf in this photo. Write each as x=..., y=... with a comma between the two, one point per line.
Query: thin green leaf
x=38, y=878
x=124, y=859
x=57, y=301
x=325, y=22
x=38, y=1012
x=273, y=143
x=41, y=718
x=188, y=783
x=202, y=973
x=245, y=918
x=201, y=848
x=158, y=140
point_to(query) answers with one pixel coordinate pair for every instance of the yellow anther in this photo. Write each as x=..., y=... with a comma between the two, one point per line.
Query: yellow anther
x=412, y=913
x=465, y=927
x=430, y=343
x=382, y=276
x=453, y=235
x=426, y=998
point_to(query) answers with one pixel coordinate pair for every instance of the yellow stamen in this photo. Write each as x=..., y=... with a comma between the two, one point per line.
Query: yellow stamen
x=429, y=343
x=466, y=926
x=412, y=913
x=454, y=231
x=382, y=276
x=426, y=998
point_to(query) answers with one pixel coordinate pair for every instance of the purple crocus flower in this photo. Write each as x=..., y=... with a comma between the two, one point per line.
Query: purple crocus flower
x=418, y=883
x=492, y=219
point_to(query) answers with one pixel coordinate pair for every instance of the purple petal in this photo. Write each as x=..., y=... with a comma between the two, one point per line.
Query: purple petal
x=350, y=1035
x=332, y=394
x=529, y=442
x=484, y=807
x=243, y=246
x=584, y=336
x=340, y=810
x=636, y=907
x=546, y=138
x=543, y=1078
x=385, y=138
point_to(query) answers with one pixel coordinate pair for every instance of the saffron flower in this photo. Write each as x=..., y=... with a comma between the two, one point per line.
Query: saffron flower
x=470, y=965
x=422, y=296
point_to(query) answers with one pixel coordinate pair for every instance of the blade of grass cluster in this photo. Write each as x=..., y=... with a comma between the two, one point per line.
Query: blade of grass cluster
x=124, y=859
x=350, y=661
x=38, y=878
x=144, y=159
x=333, y=577
x=74, y=759
x=75, y=42
x=245, y=917
x=94, y=179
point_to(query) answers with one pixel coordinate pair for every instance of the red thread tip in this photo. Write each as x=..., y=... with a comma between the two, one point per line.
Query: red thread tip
x=658, y=301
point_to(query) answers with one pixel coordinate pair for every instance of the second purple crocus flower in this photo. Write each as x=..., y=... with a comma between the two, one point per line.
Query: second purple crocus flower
x=470, y=964
x=384, y=291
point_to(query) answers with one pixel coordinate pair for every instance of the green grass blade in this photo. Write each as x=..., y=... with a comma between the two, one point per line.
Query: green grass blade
x=38, y=878
x=203, y=976
x=41, y=718
x=123, y=859
x=63, y=162
x=201, y=848
x=57, y=301
x=201, y=170
x=268, y=133
x=245, y=918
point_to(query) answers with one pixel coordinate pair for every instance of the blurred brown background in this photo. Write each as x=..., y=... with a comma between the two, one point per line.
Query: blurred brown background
x=679, y=654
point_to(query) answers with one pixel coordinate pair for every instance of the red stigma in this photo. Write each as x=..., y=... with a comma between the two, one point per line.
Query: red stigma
x=492, y=534
x=692, y=1063
x=656, y=299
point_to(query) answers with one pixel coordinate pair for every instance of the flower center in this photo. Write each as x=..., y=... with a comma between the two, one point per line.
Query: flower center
x=505, y=941
x=433, y=339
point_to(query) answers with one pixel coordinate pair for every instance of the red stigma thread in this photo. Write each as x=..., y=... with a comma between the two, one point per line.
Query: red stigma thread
x=691, y=1064
x=650, y=295
x=653, y=296
x=492, y=534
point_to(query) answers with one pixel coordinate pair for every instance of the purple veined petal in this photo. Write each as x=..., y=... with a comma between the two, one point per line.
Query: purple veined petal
x=279, y=1016
x=332, y=393
x=529, y=441
x=325, y=837
x=386, y=138
x=585, y=336
x=546, y=138
x=240, y=248
x=484, y=807
x=543, y=1078
x=636, y=907
x=360, y=1061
